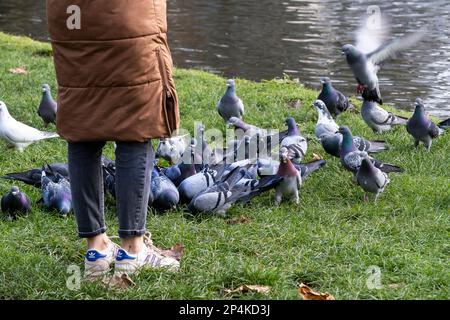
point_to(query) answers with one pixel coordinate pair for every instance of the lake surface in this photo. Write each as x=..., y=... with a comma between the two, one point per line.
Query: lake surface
x=264, y=39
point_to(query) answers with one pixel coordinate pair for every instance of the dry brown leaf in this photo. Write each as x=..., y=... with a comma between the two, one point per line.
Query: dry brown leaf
x=316, y=157
x=309, y=294
x=249, y=288
x=19, y=70
x=394, y=285
x=122, y=281
x=295, y=104
x=239, y=220
x=175, y=252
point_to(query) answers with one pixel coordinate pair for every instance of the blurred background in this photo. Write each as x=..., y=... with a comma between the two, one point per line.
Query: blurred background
x=265, y=39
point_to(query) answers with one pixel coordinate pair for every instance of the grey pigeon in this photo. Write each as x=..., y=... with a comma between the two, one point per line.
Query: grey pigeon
x=194, y=185
x=351, y=157
x=245, y=129
x=202, y=146
x=292, y=179
x=186, y=168
x=230, y=105
x=47, y=107
x=171, y=149
x=444, y=125
x=33, y=177
x=164, y=193
x=335, y=101
x=294, y=142
x=378, y=119
x=15, y=203
x=56, y=194
x=18, y=134
x=365, y=66
x=421, y=128
x=327, y=132
x=371, y=179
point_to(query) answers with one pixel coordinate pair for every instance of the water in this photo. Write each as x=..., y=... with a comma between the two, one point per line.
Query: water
x=264, y=39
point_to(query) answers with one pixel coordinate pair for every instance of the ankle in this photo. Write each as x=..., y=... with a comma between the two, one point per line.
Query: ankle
x=99, y=242
x=133, y=245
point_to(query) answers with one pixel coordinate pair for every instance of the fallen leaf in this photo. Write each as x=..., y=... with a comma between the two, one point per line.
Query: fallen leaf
x=19, y=70
x=295, y=104
x=122, y=281
x=317, y=156
x=309, y=294
x=249, y=288
x=394, y=285
x=175, y=252
x=239, y=220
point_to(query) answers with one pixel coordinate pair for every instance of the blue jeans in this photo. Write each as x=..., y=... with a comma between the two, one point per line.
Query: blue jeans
x=134, y=164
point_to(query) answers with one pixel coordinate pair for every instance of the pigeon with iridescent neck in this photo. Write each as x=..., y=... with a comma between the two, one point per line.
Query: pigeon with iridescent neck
x=351, y=157
x=15, y=203
x=294, y=142
x=327, y=131
x=47, y=107
x=421, y=128
x=292, y=180
x=371, y=179
x=56, y=194
x=230, y=105
x=335, y=101
x=165, y=195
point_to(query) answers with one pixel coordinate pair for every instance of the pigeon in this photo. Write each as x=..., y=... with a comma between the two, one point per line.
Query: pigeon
x=444, y=125
x=56, y=194
x=165, y=194
x=202, y=147
x=171, y=149
x=335, y=101
x=109, y=178
x=18, y=134
x=365, y=64
x=243, y=129
x=378, y=119
x=47, y=107
x=371, y=179
x=421, y=128
x=15, y=203
x=194, y=185
x=351, y=157
x=294, y=142
x=292, y=179
x=230, y=105
x=186, y=168
x=327, y=131
x=33, y=177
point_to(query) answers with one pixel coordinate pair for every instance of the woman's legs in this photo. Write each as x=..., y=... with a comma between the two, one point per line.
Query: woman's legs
x=87, y=192
x=134, y=164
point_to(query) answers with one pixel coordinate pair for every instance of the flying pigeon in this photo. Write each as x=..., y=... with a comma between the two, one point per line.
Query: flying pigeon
x=294, y=142
x=365, y=62
x=47, y=107
x=33, y=177
x=335, y=101
x=18, y=134
x=165, y=194
x=15, y=203
x=171, y=149
x=327, y=131
x=230, y=105
x=56, y=195
x=378, y=119
x=421, y=127
x=371, y=179
x=292, y=179
x=351, y=157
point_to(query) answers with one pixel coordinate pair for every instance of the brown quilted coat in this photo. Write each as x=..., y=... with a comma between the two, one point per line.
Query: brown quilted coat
x=115, y=72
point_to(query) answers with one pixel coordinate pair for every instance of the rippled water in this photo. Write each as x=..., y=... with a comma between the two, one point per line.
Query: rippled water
x=263, y=39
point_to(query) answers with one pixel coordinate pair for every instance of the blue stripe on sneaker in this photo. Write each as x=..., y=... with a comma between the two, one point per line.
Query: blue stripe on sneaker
x=94, y=255
x=122, y=255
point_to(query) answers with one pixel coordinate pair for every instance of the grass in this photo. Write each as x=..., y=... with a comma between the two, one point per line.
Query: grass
x=328, y=242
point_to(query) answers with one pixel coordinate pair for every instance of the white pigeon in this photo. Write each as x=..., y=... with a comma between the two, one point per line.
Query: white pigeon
x=18, y=134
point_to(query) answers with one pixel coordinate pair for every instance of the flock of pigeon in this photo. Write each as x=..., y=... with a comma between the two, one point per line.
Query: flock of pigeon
x=211, y=180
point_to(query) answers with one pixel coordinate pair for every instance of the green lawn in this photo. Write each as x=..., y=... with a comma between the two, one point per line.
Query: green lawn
x=328, y=242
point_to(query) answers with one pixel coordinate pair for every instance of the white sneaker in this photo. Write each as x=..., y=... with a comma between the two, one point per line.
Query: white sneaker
x=98, y=263
x=149, y=257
